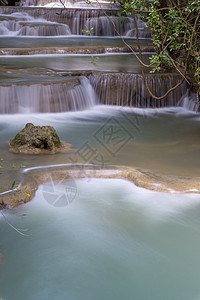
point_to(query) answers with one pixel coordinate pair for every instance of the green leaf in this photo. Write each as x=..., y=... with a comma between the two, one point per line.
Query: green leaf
x=13, y=184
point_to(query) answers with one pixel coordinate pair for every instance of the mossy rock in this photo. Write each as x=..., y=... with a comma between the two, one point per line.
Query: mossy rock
x=36, y=139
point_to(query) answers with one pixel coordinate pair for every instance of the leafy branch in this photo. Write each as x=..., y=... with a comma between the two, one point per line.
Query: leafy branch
x=175, y=30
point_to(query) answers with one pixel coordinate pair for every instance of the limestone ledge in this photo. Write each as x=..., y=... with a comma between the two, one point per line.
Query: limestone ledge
x=144, y=179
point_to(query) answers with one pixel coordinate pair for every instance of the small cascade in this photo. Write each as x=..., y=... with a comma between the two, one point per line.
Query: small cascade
x=72, y=95
x=22, y=24
x=47, y=3
x=105, y=26
x=122, y=89
x=63, y=3
x=189, y=102
x=64, y=16
x=143, y=31
x=82, y=20
x=130, y=90
x=102, y=26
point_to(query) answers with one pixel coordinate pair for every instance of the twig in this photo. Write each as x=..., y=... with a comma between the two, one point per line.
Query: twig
x=143, y=74
x=13, y=227
x=140, y=57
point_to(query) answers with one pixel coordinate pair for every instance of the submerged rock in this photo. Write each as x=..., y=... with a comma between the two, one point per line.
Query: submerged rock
x=37, y=139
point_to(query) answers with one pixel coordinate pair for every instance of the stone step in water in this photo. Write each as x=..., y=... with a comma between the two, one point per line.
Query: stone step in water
x=70, y=41
x=122, y=62
x=82, y=50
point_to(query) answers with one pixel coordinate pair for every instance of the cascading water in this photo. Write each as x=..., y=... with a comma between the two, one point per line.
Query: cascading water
x=63, y=16
x=102, y=26
x=111, y=88
x=130, y=90
x=189, y=102
x=72, y=95
x=143, y=31
x=80, y=21
x=77, y=255
x=22, y=24
x=55, y=3
x=61, y=4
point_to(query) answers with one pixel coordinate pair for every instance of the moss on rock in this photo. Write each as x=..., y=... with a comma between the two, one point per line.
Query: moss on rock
x=36, y=139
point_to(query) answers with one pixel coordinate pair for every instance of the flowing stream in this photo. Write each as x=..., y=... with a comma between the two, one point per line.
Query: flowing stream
x=120, y=242
x=95, y=238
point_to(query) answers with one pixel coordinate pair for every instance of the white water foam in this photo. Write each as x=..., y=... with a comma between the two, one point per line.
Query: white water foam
x=22, y=24
x=47, y=97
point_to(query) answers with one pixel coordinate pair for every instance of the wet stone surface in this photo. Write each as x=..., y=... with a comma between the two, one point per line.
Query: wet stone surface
x=36, y=139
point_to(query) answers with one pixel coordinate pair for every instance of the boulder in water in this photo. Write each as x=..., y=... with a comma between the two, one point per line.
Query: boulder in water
x=37, y=139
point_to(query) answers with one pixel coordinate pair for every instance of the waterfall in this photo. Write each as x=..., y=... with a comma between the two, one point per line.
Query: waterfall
x=113, y=26
x=62, y=4
x=99, y=25
x=47, y=3
x=143, y=31
x=79, y=20
x=123, y=89
x=129, y=89
x=189, y=102
x=64, y=16
x=71, y=95
x=80, y=94
x=22, y=24
x=102, y=26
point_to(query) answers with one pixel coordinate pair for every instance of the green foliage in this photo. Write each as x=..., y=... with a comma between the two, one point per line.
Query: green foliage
x=94, y=60
x=12, y=187
x=175, y=29
x=157, y=59
x=89, y=31
x=121, y=18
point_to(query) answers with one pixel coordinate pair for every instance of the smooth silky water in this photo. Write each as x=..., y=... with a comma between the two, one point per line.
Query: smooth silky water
x=115, y=242
x=162, y=140
x=109, y=239
x=101, y=62
x=68, y=41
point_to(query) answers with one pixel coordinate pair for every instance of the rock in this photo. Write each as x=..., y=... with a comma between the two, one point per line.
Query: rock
x=36, y=139
x=2, y=205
